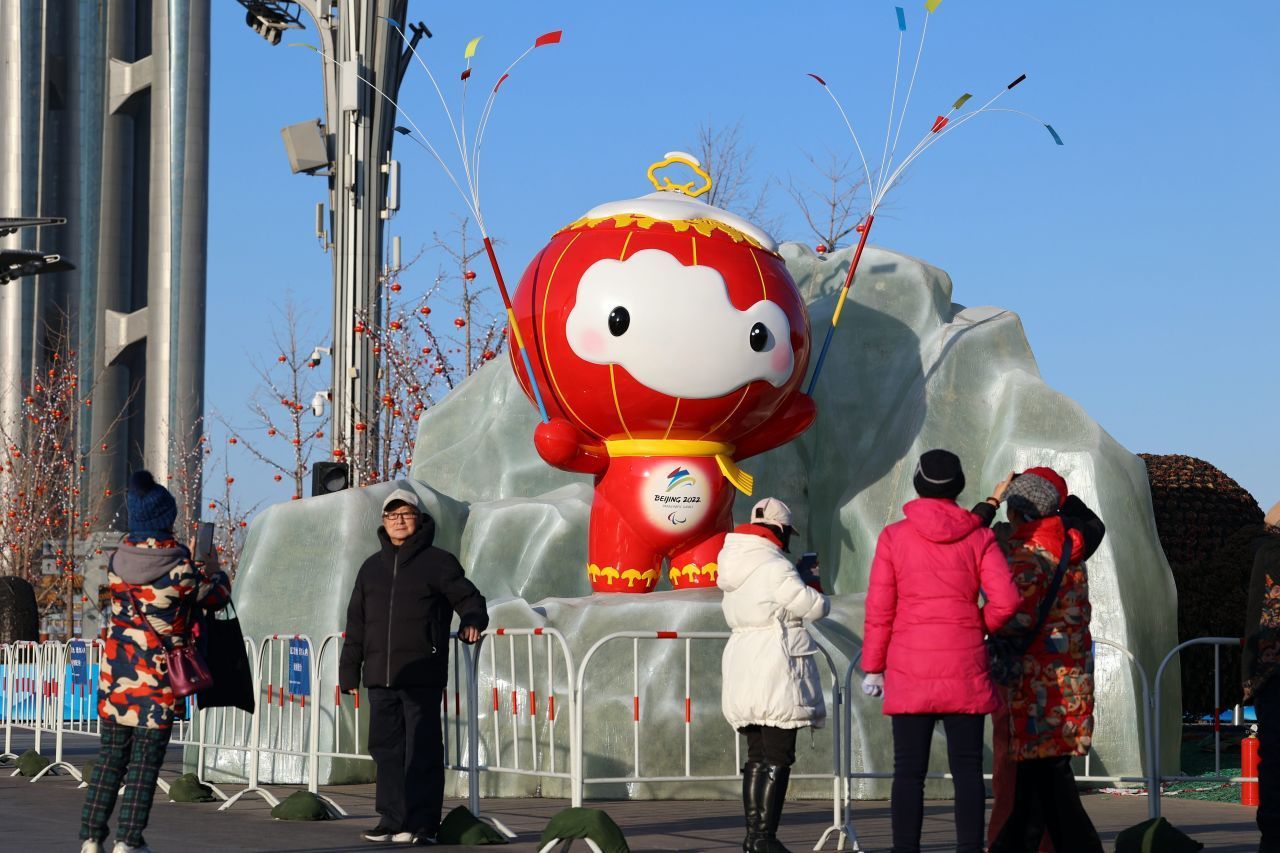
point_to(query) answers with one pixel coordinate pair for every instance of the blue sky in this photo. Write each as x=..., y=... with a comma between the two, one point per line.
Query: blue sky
x=1137, y=254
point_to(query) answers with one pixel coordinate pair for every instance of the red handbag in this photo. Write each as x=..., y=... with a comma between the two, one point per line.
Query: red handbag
x=187, y=671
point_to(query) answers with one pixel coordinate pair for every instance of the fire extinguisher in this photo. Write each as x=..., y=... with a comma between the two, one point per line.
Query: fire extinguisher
x=1249, y=767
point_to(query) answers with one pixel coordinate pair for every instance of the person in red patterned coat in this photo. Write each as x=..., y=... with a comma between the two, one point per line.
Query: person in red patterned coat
x=1050, y=707
x=152, y=577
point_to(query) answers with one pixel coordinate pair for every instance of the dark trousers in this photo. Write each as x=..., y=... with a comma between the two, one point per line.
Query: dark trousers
x=1267, y=705
x=1045, y=797
x=407, y=745
x=770, y=745
x=134, y=754
x=912, y=738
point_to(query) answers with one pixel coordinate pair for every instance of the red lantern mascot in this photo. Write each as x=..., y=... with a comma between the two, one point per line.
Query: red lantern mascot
x=669, y=342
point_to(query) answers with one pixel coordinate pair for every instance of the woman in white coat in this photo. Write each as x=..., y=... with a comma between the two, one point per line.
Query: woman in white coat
x=771, y=687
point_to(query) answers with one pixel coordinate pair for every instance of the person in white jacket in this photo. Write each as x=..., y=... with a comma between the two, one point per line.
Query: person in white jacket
x=771, y=687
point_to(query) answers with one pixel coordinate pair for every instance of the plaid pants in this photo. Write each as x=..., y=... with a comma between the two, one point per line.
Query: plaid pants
x=136, y=755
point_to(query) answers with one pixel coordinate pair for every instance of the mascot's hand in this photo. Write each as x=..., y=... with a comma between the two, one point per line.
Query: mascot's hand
x=873, y=685
x=564, y=446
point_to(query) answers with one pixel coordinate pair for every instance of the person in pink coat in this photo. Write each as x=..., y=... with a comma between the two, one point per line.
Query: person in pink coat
x=923, y=644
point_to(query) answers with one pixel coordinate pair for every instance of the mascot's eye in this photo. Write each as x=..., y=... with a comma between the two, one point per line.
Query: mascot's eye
x=759, y=337
x=619, y=321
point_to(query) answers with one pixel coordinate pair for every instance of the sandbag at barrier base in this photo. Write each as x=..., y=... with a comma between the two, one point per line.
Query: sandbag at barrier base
x=588, y=824
x=188, y=788
x=1156, y=836
x=301, y=805
x=460, y=826
x=30, y=763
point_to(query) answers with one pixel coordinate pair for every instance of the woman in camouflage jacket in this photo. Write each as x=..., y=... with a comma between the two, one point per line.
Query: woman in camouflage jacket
x=152, y=578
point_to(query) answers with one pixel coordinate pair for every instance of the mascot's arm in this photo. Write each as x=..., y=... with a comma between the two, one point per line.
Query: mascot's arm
x=788, y=422
x=564, y=446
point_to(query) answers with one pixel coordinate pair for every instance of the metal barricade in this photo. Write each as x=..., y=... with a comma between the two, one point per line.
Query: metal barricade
x=84, y=660
x=282, y=724
x=51, y=677
x=581, y=780
x=1156, y=778
x=223, y=730
x=530, y=730
x=1149, y=736
x=7, y=700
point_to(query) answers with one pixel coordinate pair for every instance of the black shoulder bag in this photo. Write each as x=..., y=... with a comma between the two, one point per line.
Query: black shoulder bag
x=1005, y=653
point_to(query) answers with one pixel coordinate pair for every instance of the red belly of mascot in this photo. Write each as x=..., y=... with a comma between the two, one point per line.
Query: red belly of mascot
x=668, y=342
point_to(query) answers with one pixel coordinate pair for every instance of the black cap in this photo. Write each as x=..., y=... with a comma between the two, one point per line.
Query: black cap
x=939, y=475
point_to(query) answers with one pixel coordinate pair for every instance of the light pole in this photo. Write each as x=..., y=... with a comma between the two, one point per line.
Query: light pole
x=355, y=139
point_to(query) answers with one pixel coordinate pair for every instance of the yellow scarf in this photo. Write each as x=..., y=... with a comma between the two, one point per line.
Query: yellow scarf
x=741, y=480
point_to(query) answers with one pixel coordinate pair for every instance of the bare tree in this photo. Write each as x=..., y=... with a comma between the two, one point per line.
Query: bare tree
x=728, y=159
x=421, y=356
x=44, y=459
x=281, y=406
x=833, y=211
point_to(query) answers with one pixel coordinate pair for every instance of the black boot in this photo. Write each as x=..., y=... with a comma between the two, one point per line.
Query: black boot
x=773, y=792
x=752, y=804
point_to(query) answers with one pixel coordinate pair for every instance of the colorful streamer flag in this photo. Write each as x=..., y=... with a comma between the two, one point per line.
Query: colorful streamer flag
x=932, y=5
x=819, y=79
x=1016, y=82
x=902, y=18
x=960, y=101
x=471, y=48
x=499, y=83
x=1053, y=133
x=552, y=37
x=465, y=74
x=939, y=123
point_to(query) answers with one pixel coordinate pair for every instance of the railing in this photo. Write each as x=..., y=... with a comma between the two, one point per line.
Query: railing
x=49, y=689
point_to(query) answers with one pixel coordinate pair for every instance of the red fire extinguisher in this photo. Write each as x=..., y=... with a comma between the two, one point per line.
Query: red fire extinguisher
x=1249, y=767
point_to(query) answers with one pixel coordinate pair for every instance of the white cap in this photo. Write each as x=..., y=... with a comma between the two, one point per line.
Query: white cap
x=771, y=511
x=403, y=496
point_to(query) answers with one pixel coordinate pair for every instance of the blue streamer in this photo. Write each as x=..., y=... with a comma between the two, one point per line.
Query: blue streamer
x=902, y=18
x=1053, y=133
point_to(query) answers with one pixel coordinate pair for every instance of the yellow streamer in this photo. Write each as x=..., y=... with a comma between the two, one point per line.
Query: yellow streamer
x=471, y=47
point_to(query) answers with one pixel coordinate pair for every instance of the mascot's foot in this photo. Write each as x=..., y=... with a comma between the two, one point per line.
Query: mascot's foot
x=609, y=579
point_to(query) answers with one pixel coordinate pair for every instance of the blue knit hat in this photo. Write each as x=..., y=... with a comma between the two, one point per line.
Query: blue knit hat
x=152, y=510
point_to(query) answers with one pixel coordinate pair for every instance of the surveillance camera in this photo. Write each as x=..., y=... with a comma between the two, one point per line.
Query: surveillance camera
x=317, y=403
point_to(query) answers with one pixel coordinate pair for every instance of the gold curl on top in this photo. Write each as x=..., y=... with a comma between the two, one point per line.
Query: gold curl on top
x=705, y=227
x=671, y=158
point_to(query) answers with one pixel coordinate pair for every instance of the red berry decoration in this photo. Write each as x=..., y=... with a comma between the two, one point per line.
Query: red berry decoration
x=424, y=310
x=438, y=369
x=459, y=322
x=395, y=325
x=282, y=359
x=232, y=440
x=230, y=480
x=319, y=434
x=271, y=430
x=338, y=453
x=469, y=275
x=395, y=287
x=358, y=328
x=821, y=248
x=212, y=505
x=276, y=478
x=425, y=351
x=360, y=427
x=377, y=350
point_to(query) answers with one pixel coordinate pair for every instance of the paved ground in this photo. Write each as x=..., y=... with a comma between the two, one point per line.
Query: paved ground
x=44, y=816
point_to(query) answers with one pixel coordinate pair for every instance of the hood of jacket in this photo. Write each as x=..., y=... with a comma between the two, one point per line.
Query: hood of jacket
x=141, y=565
x=940, y=520
x=419, y=541
x=746, y=549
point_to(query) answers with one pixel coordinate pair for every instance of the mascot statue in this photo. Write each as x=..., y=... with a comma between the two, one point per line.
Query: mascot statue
x=669, y=343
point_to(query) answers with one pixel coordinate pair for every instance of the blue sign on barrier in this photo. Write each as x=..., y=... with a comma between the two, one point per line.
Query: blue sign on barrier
x=79, y=662
x=299, y=667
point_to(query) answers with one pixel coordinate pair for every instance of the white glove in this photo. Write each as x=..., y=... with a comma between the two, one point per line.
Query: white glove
x=873, y=685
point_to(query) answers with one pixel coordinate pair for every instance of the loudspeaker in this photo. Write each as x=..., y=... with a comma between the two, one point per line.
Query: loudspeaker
x=330, y=477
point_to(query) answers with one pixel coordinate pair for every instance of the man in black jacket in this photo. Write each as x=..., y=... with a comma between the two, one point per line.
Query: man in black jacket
x=398, y=633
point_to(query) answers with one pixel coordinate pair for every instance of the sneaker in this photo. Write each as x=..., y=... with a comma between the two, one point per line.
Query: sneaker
x=421, y=839
x=91, y=846
x=405, y=837
x=121, y=847
x=379, y=833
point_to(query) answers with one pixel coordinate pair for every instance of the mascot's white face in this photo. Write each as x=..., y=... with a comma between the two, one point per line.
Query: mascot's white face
x=674, y=329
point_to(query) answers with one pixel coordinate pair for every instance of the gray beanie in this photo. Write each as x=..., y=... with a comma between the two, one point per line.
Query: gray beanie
x=1033, y=496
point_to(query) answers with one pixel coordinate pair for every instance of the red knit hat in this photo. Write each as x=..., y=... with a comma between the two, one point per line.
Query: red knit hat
x=1055, y=478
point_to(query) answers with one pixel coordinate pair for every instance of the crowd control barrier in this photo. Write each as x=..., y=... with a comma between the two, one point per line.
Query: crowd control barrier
x=853, y=762
x=50, y=690
x=524, y=739
x=687, y=714
x=1157, y=779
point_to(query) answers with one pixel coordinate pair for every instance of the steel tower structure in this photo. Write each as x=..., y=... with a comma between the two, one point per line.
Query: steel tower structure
x=104, y=119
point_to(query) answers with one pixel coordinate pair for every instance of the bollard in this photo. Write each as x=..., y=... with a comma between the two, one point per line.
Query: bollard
x=1249, y=767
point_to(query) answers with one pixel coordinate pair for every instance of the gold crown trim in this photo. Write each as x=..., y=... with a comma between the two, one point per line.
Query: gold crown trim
x=705, y=227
